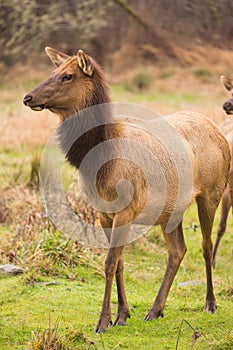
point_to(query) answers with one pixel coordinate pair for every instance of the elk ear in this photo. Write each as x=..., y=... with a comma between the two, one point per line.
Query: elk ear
x=227, y=82
x=85, y=63
x=56, y=57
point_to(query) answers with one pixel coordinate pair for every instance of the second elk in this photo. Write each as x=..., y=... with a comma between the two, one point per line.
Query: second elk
x=227, y=199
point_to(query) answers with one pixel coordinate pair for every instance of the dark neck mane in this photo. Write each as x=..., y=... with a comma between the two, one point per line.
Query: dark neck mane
x=91, y=126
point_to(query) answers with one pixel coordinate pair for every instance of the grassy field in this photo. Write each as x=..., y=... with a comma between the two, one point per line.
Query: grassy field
x=58, y=298
x=29, y=306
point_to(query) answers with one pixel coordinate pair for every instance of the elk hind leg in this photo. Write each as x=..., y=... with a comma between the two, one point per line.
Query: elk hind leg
x=206, y=213
x=123, y=308
x=176, y=251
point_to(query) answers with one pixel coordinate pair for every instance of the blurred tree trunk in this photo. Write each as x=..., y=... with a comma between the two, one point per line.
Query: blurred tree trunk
x=156, y=38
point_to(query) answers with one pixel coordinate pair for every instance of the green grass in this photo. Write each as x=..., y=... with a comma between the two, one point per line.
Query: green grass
x=21, y=165
x=75, y=304
x=202, y=72
x=14, y=167
x=173, y=99
x=18, y=165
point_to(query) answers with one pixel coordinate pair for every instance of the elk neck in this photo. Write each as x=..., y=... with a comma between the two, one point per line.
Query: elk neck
x=91, y=125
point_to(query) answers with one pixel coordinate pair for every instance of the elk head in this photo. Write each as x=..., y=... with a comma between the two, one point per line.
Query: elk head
x=75, y=84
x=228, y=84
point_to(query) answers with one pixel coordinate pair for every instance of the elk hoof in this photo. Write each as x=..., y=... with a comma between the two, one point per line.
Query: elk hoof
x=102, y=326
x=211, y=307
x=100, y=329
x=121, y=319
x=153, y=314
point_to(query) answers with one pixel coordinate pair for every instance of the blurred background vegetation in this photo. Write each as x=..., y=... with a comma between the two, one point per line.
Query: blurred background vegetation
x=102, y=27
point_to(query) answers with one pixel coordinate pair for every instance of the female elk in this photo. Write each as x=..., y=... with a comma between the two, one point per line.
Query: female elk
x=78, y=83
x=227, y=198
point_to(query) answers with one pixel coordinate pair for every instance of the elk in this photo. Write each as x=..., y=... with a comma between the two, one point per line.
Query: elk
x=227, y=198
x=78, y=82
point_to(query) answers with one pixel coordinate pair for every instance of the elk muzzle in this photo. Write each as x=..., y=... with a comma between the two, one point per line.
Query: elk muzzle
x=228, y=107
x=28, y=101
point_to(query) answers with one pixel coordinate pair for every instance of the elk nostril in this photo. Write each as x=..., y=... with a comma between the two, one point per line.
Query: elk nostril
x=227, y=105
x=27, y=99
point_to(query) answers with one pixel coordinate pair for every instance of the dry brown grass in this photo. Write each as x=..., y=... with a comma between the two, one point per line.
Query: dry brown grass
x=27, y=129
x=32, y=241
x=196, y=73
x=52, y=339
x=201, y=53
x=19, y=125
x=25, y=216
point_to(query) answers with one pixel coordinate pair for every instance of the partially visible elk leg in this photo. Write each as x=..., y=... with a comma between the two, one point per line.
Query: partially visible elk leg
x=226, y=204
x=206, y=213
x=111, y=263
x=123, y=308
x=118, y=236
x=106, y=224
x=176, y=252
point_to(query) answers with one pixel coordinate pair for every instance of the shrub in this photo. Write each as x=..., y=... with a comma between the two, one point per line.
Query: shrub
x=141, y=80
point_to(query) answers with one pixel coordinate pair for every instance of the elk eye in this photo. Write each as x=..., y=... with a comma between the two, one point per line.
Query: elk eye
x=67, y=77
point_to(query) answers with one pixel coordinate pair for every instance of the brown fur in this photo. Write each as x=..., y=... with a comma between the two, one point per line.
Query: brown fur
x=208, y=152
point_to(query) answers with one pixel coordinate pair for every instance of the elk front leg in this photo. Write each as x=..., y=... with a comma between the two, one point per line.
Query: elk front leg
x=117, y=239
x=111, y=263
x=123, y=309
x=176, y=252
